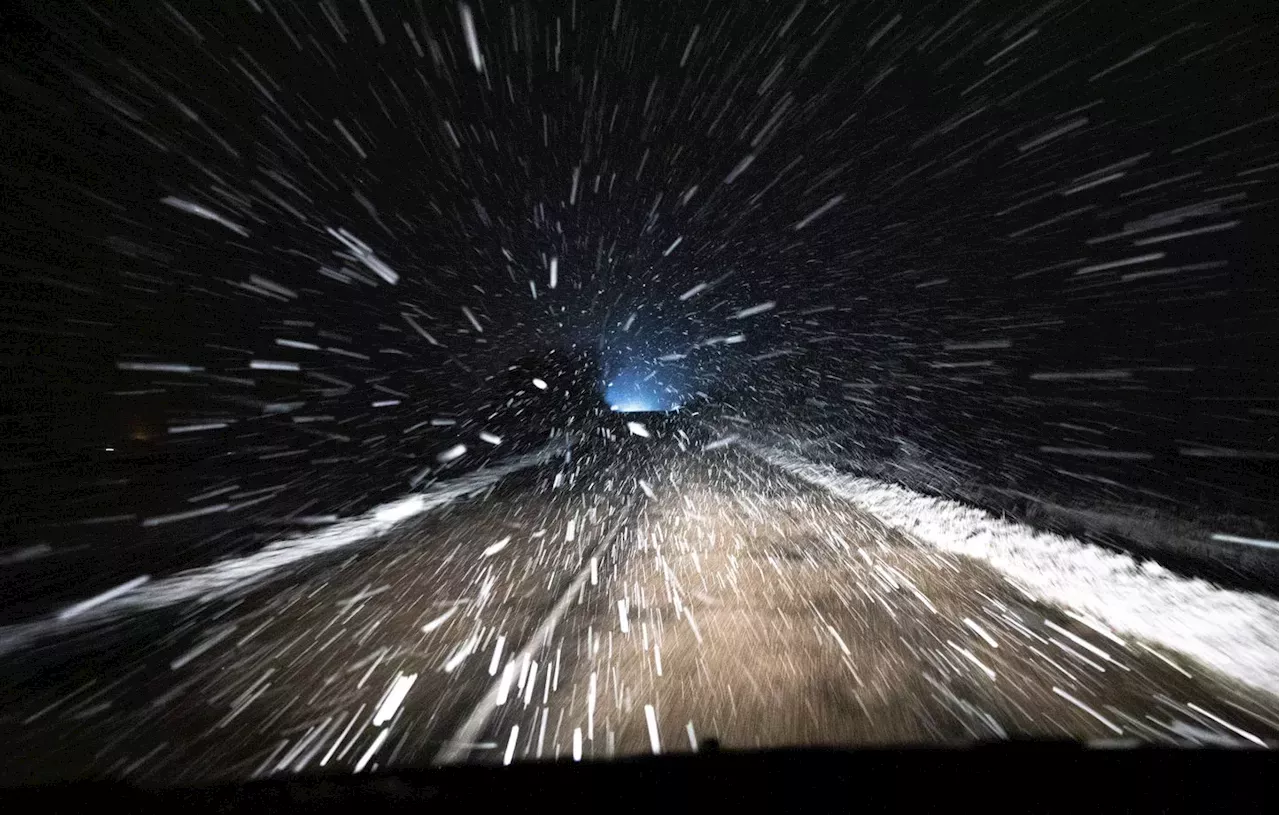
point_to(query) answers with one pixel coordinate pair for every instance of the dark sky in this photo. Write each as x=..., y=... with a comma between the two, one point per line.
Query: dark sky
x=1033, y=238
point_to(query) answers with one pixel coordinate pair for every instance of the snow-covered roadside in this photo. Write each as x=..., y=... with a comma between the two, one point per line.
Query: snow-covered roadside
x=1234, y=632
x=240, y=573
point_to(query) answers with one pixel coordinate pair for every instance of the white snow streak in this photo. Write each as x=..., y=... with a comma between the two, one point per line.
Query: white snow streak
x=1231, y=631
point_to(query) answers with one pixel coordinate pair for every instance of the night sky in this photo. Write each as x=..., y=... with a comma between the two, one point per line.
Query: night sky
x=268, y=261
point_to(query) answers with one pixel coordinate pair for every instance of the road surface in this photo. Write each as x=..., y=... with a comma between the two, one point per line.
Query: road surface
x=611, y=602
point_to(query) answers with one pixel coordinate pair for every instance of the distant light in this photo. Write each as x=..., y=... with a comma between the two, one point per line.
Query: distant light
x=109, y=449
x=539, y=384
x=641, y=389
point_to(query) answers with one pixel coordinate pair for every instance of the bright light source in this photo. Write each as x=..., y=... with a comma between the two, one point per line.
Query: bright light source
x=640, y=390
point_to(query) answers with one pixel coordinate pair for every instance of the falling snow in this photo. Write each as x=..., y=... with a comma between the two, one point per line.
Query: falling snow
x=447, y=382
